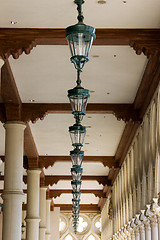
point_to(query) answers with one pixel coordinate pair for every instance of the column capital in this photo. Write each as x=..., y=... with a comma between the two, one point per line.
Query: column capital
x=12, y=124
x=34, y=170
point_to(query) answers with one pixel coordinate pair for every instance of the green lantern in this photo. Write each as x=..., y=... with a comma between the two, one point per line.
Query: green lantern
x=77, y=134
x=77, y=156
x=80, y=38
x=76, y=195
x=76, y=172
x=76, y=185
x=78, y=98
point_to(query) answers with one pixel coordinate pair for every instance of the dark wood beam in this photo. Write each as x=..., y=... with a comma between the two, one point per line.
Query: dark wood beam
x=149, y=84
x=58, y=192
x=68, y=207
x=13, y=111
x=35, y=111
x=50, y=180
x=83, y=207
x=18, y=40
x=109, y=161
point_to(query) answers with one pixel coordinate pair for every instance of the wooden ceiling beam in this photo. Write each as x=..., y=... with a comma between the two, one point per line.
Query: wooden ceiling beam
x=18, y=40
x=58, y=192
x=68, y=207
x=35, y=111
x=13, y=111
x=109, y=161
x=50, y=180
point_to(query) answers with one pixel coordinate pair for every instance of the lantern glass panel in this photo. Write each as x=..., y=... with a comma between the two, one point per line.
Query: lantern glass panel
x=76, y=195
x=80, y=44
x=79, y=104
x=77, y=157
x=76, y=173
x=76, y=185
x=77, y=137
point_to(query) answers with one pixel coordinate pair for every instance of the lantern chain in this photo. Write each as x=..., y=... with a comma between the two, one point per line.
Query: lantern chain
x=79, y=9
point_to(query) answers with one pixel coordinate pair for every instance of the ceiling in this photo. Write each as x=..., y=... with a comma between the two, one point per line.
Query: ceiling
x=113, y=76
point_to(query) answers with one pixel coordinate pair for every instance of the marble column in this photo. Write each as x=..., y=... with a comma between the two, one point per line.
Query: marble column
x=32, y=218
x=154, y=229
x=137, y=234
x=13, y=181
x=48, y=206
x=42, y=212
x=142, y=232
x=147, y=231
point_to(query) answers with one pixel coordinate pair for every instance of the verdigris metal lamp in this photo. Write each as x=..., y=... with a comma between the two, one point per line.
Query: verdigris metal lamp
x=78, y=97
x=80, y=38
x=77, y=134
x=77, y=156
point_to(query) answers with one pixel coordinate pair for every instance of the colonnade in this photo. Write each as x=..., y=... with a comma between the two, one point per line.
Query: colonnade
x=136, y=192
x=38, y=207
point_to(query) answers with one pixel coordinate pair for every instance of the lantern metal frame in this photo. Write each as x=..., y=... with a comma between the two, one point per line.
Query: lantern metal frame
x=80, y=33
x=77, y=128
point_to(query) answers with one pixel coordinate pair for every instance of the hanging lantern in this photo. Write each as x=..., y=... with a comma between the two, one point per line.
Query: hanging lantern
x=76, y=185
x=77, y=156
x=76, y=195
x=77, y=134
x=75, y=203
x=78, y=97
x=76, y=172
x=80, y=38
x=75, y=211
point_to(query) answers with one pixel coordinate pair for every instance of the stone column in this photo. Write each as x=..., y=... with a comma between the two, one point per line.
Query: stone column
x=132, y=235
x=137, y=234
x=142, y=233
x=32, y=218
x=13, y=181
x=154, y=229
x=42, y=212
x=147, y=231
x=48, y=206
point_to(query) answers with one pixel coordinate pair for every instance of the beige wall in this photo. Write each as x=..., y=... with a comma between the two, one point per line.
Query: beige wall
x=55, y=216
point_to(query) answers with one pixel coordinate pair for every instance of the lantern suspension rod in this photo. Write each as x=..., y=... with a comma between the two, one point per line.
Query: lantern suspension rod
x=78, y=78
x=79, y=9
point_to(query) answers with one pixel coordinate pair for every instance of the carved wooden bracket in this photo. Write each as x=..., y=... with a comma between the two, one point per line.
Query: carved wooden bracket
x=18, y=40
x=15, y=47
x=148, y=47
x=50, y=180
x=35, y=111
x=109, y=161
x=58, y=192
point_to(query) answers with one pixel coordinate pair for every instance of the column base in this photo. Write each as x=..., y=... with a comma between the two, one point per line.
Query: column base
x=48, y=236
x=42, y=233
x=32, y=228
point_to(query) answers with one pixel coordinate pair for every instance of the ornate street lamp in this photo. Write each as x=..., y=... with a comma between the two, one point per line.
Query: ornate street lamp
x=78, y=97
x=80, y=38
x=76, y=195
x=77, y=156
x=76, y=185
x=77, y=134
x=76, y=172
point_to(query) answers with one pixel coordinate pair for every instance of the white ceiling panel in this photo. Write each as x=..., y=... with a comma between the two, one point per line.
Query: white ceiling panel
x=85, y=185
x=102, y=138
x=46, y=74
x=85, y=199
x=60, y=14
